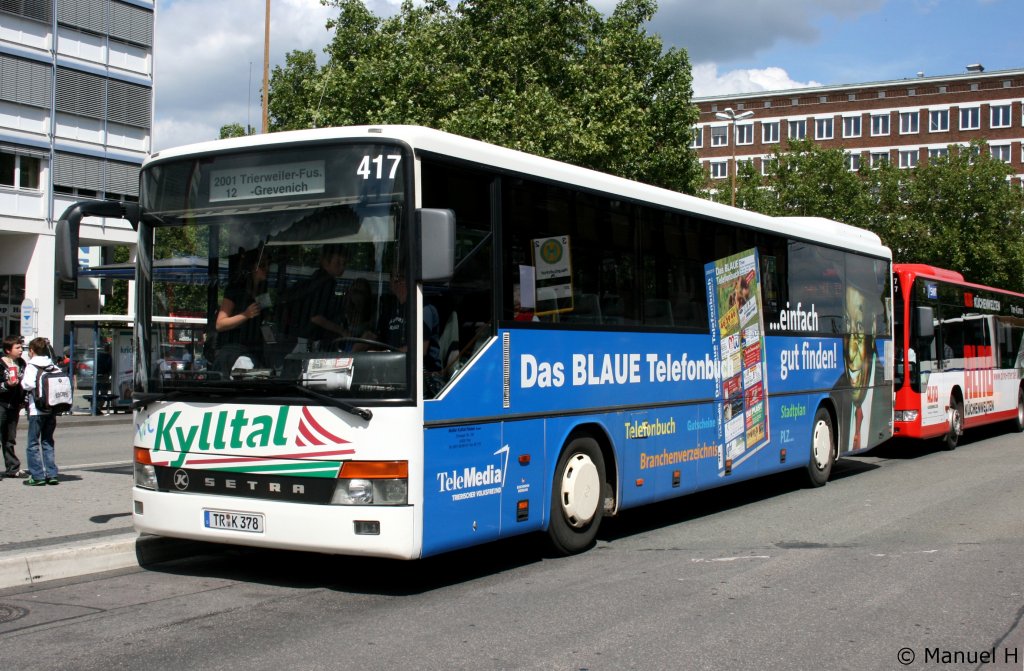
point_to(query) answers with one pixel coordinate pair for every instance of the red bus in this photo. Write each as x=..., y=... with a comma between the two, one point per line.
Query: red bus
x=959, y=354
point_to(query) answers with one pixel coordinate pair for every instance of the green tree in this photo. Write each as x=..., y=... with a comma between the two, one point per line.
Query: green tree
x=806, y=180
x=233, y=130
x=550, y=77
x=968, y=216
x=959, y=212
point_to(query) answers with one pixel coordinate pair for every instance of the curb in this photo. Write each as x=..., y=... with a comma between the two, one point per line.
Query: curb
x=125, y=551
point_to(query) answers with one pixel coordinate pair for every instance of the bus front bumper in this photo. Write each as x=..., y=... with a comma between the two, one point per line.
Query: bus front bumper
x=375, y=531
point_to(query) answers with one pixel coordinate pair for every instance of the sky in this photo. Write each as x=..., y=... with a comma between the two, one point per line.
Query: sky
x=208, y=56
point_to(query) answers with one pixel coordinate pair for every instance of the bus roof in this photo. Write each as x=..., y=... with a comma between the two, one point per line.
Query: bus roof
x=420, y=138
x=935, y=273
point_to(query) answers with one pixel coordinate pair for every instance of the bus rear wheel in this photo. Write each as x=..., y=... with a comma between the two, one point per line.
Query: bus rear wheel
x=955, y=417
x=576, y=496
x=823, y=449
x=1019, y=424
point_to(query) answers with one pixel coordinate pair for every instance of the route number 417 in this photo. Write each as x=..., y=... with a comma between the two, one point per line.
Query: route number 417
x=373, y=167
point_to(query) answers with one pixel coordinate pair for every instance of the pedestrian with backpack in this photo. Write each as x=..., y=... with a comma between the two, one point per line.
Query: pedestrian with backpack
x=44, y=391
x=12, y=400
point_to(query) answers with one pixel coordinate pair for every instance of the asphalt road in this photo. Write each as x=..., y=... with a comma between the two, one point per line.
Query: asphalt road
x=77, y=445
x=908, y=555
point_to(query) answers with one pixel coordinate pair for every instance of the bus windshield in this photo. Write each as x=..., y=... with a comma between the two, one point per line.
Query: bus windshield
x=283, y=272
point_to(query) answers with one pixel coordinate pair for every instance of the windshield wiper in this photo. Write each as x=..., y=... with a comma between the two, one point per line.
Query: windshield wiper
x=364, y=413
x=142, y=400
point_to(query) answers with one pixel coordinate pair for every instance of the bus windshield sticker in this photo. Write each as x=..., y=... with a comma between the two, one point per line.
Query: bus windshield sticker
x=737, y=333
x=553, y=262
x=267, y=181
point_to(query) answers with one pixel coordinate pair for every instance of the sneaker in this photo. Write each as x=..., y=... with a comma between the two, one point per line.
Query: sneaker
x=32, y=482
x=52, y=481
x=17, y=474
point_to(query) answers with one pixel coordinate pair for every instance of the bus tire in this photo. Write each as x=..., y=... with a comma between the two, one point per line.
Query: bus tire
x=955, y=417
x=576, y=496
x=1018, y=425
x=823, y=449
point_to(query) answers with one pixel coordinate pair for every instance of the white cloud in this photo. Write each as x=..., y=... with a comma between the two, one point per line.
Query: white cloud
x=707, y=81
x=208, y=61
x=725, y=30
x=209, y=55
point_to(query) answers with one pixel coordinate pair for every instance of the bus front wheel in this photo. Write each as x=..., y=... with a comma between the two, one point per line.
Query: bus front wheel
x=576, y=496
x=955, y=417
x=823, y=449
x=1019, y=424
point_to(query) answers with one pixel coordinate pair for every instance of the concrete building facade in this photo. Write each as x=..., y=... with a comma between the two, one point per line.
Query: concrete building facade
x=906, y=122
x=76, y=118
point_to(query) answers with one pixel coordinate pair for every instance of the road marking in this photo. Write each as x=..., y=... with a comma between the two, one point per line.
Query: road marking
x=87, y=467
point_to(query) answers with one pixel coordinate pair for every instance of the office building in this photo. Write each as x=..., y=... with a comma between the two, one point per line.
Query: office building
x=76, y=115
x=906, y=122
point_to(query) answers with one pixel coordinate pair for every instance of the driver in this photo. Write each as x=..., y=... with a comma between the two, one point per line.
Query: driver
x=318, y=306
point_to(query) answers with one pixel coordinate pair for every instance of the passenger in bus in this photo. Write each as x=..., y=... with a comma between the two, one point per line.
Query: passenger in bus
x=314, y=311
x=392, y=328
x=241, y=312
x=357, y=313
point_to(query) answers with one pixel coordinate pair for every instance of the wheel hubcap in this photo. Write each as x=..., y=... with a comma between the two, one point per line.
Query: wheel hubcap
x=821, y=444
x=581, y=490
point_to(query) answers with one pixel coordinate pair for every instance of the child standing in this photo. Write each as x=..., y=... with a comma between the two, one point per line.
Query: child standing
x=12, y=400
x=41, y=425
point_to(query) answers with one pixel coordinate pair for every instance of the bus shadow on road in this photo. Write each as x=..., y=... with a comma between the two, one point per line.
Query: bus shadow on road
x=905, y=448
x=358, y=575
x=713, y=501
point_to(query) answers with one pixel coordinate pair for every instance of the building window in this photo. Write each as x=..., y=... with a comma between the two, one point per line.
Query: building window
x=879, y=158
x=908, y=158
x=719, y=136
x=1000, y=116
x=719, y=169
x=698, y=138
x=938, y=153
x=853, y=162
x=12, y=293
x=798, y=129
x=823, y=129
x=18, y=171
x=970, y=118
x=879, y=124
x=1000, y=152
x=851, y=126
x=909, y=122
x=768, y=165
x=770, y=132
x=745, y=133
x=938, y=121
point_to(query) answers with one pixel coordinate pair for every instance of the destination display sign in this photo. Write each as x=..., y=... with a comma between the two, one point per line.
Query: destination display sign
x=267, y=181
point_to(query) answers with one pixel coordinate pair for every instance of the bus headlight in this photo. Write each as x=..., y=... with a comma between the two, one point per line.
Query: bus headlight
x=145, y=473
x=145, y=476
x=363, y=492
x=906, y=415
x=355, y=492
x=367, y=483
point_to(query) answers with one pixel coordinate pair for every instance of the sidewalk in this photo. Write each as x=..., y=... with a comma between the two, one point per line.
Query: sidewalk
x=81, y=526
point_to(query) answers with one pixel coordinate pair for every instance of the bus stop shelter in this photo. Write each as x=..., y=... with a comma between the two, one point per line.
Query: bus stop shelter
x=102, y=375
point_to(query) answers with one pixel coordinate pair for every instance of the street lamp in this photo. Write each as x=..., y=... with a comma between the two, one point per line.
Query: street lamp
x=732, y=117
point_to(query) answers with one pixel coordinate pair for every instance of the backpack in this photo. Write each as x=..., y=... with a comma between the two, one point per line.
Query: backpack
x=53, y=390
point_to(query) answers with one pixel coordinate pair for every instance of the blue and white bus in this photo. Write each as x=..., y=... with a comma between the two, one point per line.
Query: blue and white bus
x=417, y=342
